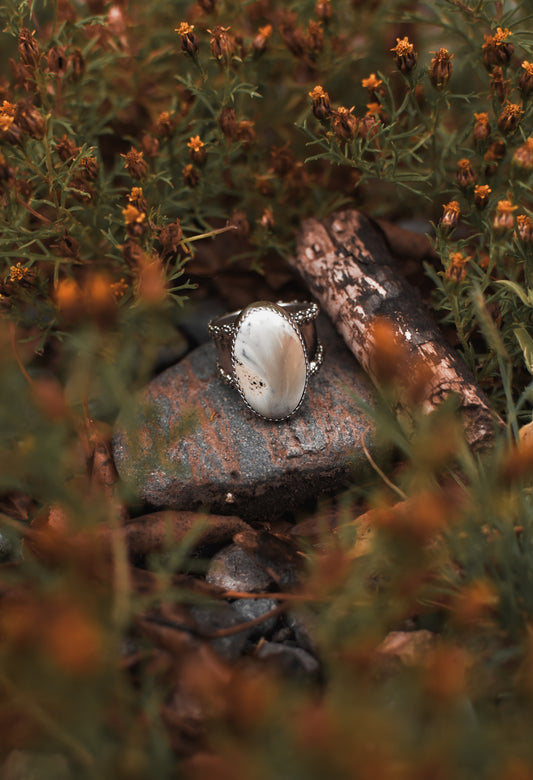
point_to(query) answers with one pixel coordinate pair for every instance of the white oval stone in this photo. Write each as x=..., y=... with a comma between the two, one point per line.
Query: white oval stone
x=269, y=361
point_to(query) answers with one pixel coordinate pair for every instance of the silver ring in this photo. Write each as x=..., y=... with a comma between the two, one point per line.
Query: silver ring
x=268, y=352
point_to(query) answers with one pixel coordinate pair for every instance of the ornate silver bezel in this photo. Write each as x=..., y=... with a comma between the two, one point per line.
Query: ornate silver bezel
x=267, y=305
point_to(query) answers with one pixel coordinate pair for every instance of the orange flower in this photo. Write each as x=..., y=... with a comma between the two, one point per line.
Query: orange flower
x=466, y=175
x=321, y=107
x=132, y=215
x=523, y=156
x=497, y=50
x=481, y=195
x=525, y=82
x=73, y=639
x=189, y=42
x=440, y=68
x=475, y=602
x=445, y=673
x=260, y=41
x=509, y=118
x=450, y=215
x=404, y=55
x=482, y=127
x=456, y=270
x=504, y=218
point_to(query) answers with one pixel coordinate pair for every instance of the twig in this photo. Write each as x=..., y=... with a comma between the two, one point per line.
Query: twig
x=381, y=473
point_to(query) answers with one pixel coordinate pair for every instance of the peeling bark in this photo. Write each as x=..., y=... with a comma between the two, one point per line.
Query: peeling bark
x=348, y=266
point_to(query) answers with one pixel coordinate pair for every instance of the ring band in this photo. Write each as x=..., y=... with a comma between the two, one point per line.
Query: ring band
x=268, y=352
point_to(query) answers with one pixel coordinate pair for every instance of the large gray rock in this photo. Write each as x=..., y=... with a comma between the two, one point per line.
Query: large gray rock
x=189, y=442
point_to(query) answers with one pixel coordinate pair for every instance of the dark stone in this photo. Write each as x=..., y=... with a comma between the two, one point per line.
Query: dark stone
x=291, y=661
x=191, y=443
x=9, y=549
x=235, y=569
x=251, y=609
x=212, y=619
x=301, y=634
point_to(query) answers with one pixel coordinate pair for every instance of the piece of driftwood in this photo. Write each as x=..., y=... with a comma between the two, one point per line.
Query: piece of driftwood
x=347, y=265
x=141, y=536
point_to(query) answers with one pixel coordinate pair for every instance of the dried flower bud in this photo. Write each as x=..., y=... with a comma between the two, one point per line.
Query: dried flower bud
x=132, y=253
x=23, y=75
x=150, y=145
x=57, y=59
x=293, y=36
x=370, y=124
x=197, y=151
x=260, y=41
x=170, y=237
x=28, y=48
x=29, y=119
x=77, y=63
x=135, y=165
x=481, y=195
x=67, y=246
x=456, y=270
x=245, y=131
x=504, y=217
x=314, y=39
x=509, y=118
x=499, y=85
x=65, y=12
x=222, y=44
x=89, y=166
x=282, y=159
x=524, y=226
x=7, y=117
x=321, y=107
x=7, y=173
x=137, y=199
x=267, y=219
x=208, y=6
x=493, y=155
x=525, y=82
x=466, y=175
x=481, y=129
x=497, y=50
x=440, y=68
x=67, y=149
x=119, y=289
x=189, y=41
x=165, y=124
x=323, y=9
x=264, y=184
x=191, y=177
x=227, y=122
x=523, y=156
x=405, y=55
x=374, y=86
x=450, y=215
x=344, y=124
x=240, y=220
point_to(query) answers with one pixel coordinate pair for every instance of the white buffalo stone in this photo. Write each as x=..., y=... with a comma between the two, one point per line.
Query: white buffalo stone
x=269, y=361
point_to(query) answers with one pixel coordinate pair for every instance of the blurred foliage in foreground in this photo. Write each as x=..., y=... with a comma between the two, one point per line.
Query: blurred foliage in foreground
x=131, y=135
